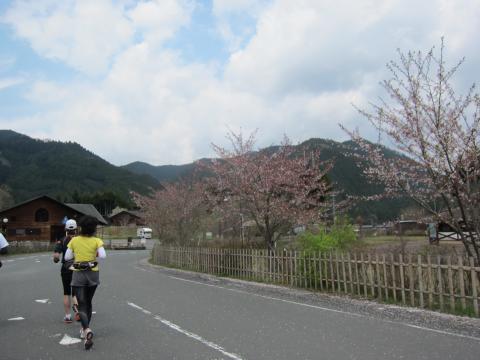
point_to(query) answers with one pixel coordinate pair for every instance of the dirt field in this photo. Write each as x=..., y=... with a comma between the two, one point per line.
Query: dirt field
x=412, y=245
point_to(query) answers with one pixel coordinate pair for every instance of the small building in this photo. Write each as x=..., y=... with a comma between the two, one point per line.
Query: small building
x=409, y=227
x=42, y=218
x=127, y=218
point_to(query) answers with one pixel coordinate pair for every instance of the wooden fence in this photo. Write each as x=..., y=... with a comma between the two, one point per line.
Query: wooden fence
x=448, y=284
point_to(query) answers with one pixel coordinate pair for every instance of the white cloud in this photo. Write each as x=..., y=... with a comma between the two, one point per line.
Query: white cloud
x=222, y=7
x=298, y=73
x=9, y=82
x=6, y=62
x=236, y=20
x=83, y=34
x=160, y=19
x=47, y=92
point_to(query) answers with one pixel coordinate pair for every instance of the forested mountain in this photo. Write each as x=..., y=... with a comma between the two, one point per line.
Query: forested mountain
x=345, y=175
x=163, y=173
x=66, y=171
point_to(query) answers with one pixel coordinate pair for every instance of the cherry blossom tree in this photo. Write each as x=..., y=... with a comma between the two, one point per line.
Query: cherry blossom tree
x=175, y=212
x=437, y=132
x=275, y=187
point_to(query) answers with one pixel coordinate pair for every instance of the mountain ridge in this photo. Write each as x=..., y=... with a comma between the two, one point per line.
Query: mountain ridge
x=32, y=167
x=65, y=170
x=345, y=175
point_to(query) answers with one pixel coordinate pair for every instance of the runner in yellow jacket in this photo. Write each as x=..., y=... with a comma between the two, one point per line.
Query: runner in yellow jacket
x=84, y=250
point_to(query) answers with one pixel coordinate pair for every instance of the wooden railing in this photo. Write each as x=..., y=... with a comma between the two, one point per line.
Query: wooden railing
x=442, y=283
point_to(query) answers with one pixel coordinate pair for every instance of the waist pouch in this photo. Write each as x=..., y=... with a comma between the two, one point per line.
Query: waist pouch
x=66, y=264
x=86, y=265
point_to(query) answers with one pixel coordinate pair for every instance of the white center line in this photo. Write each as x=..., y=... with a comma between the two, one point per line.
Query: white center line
x=68, y=340
x=188, y=333
x=42, y=301
x=16, y=319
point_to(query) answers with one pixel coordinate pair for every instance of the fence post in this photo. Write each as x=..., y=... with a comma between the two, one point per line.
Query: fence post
x=344, y=274
x=330, y=259
x=430, y=282
x=379, y=280
x=371, y=275
x=461, y=283
x=275, y=262
x=243, y=268
x=265, y=264
x=337, y=267
x=473, y=275
x=420, y=280
x=305, y=270
x=394, y=283
x=357, y=279
x=440, y=282
x=385, y=278
x=412, y=280
x=450, y=284
x=350, y=273
x=402, y=278
x=290, y=262
x=364, y=276
x=320, y=269
x=297, y=280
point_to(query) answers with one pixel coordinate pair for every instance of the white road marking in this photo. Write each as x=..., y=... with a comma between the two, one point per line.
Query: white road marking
x=326, y=309
x=37, y=261
x=188, y=333
x=139, y=308
x=67, y=340
x=16, y=319
x=42, y=301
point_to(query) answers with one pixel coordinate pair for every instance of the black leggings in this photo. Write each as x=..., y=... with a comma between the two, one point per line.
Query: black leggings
x=84, y=296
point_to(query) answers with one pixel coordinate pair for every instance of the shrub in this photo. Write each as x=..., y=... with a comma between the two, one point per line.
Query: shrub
x=340, y=236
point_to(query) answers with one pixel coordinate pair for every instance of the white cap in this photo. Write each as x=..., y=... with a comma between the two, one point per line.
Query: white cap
x=70, y=225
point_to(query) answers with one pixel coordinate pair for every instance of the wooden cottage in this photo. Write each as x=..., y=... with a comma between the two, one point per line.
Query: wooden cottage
x=127, y=218
x=42, y=218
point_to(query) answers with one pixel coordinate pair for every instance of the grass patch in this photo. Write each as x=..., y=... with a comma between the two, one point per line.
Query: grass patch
x=391, y=239
x=117, y=232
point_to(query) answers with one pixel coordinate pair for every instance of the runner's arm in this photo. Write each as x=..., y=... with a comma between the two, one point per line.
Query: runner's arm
x=101, y=253
x=69, y=255
x=57, y=251
x=3, y=245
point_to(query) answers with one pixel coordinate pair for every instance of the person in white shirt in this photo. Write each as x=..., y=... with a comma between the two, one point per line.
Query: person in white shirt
x=3, y=246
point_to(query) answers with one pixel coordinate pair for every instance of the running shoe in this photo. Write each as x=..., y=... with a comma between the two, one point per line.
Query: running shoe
x=82, y=333
x=88, y=339
x=67, y=319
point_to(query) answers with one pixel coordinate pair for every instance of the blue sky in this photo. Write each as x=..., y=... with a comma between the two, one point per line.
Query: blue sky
x=160, y=80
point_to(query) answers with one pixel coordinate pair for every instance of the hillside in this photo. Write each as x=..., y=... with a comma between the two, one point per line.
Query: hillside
x=31, y=167
x=163, y=173
x=346, y=175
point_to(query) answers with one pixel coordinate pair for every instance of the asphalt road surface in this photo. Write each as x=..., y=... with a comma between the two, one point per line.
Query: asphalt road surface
x=146, y=312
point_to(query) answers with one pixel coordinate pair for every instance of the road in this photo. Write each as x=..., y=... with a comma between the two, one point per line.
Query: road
x=146, y=312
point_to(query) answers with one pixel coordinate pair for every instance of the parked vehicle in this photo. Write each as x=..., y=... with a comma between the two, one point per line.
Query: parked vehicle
x=145, y=233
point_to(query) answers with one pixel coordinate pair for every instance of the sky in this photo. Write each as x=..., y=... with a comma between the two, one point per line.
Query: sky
x=159, y=81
